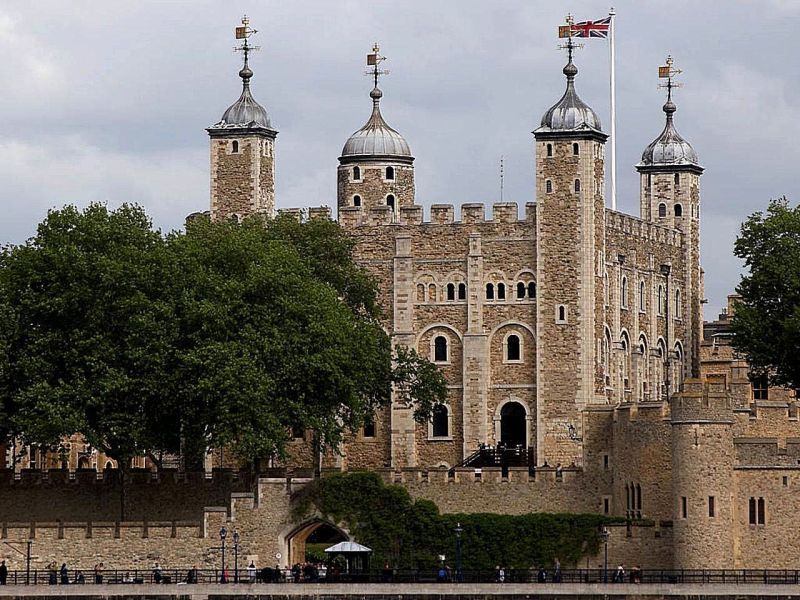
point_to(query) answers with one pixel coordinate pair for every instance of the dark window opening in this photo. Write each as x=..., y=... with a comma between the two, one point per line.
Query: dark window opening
x=549, y=149
x=451, y=291
x=548, y=186
x=489, y=291
x=513, y=348
x=576, y=149
x=762, y=520
x=606, y=507
x=520, y=290
x=662, y=210
x=234, y=147
x=678, y=210
x=577, y=185
x=389, y=172
x=501, y=291
x=684, y=507
x=462, y=291
x=752, y=511
x=513, y=425
x=677, y=178
x=440, y=421
x=298, y=432
x=356, y=200
x=760, y=385
x=440, y=349
x=531, y=290
x=562, y=313
x=369, y=427
x=356, y=172
x=390, y=201
x=638, y=497
x=712, y=509
x=605, y=462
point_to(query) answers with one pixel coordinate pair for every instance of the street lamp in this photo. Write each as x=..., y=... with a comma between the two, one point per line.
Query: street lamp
x=459, y=530
x=236, y=557
x=223, y=533
x=605, y=534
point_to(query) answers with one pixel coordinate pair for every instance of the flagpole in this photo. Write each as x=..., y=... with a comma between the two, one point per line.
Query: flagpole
x=612, y=57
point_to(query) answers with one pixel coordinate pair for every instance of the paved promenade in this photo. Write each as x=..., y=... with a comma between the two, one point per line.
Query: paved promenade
x=377, y=591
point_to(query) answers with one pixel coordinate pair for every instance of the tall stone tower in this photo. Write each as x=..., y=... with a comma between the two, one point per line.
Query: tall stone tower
x=376, y=167
x=670, y=195
x=243, y=151
x=570, y=233
x=702, y=475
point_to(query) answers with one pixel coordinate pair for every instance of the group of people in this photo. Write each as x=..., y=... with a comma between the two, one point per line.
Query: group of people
x=635, y=575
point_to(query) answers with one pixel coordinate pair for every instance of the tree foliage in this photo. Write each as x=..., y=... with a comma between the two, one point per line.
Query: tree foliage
x=766, y=323
x=412, y=534
x=227, y=335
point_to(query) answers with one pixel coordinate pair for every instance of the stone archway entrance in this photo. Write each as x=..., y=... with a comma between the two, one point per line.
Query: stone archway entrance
x=513, y=425
x=312, y=535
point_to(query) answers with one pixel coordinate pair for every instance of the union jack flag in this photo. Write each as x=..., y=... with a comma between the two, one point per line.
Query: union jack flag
x=587, y=29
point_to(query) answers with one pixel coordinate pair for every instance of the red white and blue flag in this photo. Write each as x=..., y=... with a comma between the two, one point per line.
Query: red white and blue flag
x=587, y=29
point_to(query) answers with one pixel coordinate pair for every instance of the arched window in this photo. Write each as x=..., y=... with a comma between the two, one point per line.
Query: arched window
x=662, y=210
x=356, y=200
x=440, y=426
x=432, y=292
x=234, y=147
x=390, y=173
x=561, y=313
x=356, y=173
x=678, y=210
x=625, y=344
x=513, y=348
x=548, y=186
x=577, y=185
x=677, y=304
x=623, y=292
x=451, y=291
x=501, y=291
x=677, y=179
x=440, y=349
x=642, y=301
x=489, y=291
x=606, y=356
x=576, y=149
x=420, y=292
x=549, y=149
x=520, y=290
x=531, y=289
x=390, y=201
x=462, y=291
x=660, y=299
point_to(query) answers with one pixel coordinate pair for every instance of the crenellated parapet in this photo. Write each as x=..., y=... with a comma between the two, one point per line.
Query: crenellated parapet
x=642, y=229
x=440, y=214
x=706, y=401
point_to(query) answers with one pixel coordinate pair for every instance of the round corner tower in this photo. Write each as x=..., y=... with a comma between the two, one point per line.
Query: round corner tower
x=376, y=167
x=243, y=152
x=702, y=476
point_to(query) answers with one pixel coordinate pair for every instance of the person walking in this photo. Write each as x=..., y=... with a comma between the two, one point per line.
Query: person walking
x=557, y=571
x=619, y=575
x=157, y=576
x=542, y=575
x=3, y=573
x=52, y=573
x=64, y=574
x=98, y=573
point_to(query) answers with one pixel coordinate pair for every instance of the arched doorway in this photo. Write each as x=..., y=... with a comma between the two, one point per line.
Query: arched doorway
x=309, y=540
x=513, y=425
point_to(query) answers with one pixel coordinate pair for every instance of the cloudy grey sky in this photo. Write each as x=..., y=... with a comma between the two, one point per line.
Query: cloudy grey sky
x=108, y=101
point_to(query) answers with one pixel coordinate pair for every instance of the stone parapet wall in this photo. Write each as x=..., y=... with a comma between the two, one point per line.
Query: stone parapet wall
x=643, y=230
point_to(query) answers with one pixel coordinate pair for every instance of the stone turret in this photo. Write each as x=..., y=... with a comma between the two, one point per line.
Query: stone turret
x=570, y=231
x=702, y=474
x=243, y=153
x=376, y=166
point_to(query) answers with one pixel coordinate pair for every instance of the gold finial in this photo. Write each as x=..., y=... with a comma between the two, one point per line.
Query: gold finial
x=668, y=72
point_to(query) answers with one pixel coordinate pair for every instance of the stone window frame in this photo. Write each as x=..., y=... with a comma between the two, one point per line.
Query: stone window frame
x=450, y=292
x=576, y=149
x=606, y=290
x=500, y=291
x=519, y=336
x=461, y=292
x=623, y=292
x=576, y=186
x=642, y=296
x=661, y=304
x=353, y=200
x=233, y=147
x=548, y=150
x=497, y=418
x=677, y=210
x=548, y=186
x=434, y=337
x=712, y=507
x=442, y=438
x=678, y=301
x=266, y=148
x=562, y=318
x=662, y=214
x=393, y=205
x=683, y=507
x=386, y=177
x=353, y=178
x=362, y=431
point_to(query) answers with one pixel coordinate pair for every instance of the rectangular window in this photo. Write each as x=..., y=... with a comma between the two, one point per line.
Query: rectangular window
x=606, y=507
x=785, y=481
x=712, y=509
x=762, y=520
x=605, y=461
x=369, y=428
x=760, y=385
x=752, y=511
x=684, y=507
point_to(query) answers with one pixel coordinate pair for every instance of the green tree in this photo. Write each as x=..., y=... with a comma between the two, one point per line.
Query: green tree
x=227, y=335
x=766, y=323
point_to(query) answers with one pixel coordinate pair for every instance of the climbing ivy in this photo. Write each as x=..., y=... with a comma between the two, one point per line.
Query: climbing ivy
x=412, y=534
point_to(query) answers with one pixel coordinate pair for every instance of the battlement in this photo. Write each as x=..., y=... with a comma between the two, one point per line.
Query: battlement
x=134, y=477
x=440, y=214
x=703, y=401
x=752, y=452
x=73, y=530
x=469, y=475
x=644, y=230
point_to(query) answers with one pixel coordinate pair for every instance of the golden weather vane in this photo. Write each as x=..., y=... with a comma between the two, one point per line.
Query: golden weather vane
x=566, y=31
x=374, y=59
x=244, y=32
x=668, y=72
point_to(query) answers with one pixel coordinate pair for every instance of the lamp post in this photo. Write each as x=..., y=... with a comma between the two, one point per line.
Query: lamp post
x=236, y=557
x=459, y=530
x=223, y=533
x=605, y=533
